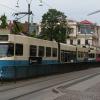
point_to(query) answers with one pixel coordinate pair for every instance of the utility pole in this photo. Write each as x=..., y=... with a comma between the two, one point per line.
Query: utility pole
x=26, y=13
x=29, y=12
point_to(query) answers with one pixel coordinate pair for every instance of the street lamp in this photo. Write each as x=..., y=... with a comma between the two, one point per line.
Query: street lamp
x=59, y=57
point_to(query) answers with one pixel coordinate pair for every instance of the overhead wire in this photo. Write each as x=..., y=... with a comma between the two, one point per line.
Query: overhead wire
x=98, y=11
x=7, y=7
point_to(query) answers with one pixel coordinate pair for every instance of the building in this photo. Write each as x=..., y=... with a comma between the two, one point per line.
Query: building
x=33, y=29
x=84, y=33
x=71, y=39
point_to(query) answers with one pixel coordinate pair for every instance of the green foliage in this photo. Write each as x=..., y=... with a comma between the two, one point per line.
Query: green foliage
x=4, y=21
x=54, y=25
x=17, y=27
x=33, y=35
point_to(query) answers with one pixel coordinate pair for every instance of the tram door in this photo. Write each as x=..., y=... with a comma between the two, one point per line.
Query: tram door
x=62, y=56
x=67, y=56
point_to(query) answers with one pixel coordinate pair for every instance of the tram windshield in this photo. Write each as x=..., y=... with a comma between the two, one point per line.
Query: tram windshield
x=6, y=49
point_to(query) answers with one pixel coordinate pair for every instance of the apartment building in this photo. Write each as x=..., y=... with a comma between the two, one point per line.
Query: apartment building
x=84, y=33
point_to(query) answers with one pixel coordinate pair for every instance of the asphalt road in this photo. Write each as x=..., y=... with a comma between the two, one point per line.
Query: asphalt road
x=49, y=88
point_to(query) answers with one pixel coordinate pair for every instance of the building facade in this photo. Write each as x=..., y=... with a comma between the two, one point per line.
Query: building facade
x=84, y=33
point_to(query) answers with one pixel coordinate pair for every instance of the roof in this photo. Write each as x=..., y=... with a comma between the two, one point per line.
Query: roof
x=86, y=22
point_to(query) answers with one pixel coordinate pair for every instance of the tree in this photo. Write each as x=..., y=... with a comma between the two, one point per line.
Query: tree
x=4, y=21
x=54, y=26
x=17, y=27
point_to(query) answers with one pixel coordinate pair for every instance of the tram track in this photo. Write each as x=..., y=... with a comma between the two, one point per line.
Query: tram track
x=80, y=80
x=66, y=77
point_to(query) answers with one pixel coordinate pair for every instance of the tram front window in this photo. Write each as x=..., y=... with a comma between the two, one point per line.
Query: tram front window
x=6, y=49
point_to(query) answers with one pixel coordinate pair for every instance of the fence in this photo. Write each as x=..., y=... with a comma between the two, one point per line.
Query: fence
x=23, y=72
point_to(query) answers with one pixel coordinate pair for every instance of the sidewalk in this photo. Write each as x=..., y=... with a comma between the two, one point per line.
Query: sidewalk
x=92, y=93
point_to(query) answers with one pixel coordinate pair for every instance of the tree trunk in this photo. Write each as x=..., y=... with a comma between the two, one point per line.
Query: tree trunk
x=58, y=51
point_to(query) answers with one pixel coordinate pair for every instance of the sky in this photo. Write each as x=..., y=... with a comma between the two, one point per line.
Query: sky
x=73, y=9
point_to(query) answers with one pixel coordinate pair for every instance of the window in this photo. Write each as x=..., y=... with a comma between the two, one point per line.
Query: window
x=33, y=50
x=6, y=49
x=98, y=55
x=54, y=52
x=86, y=42
x=18, y=49
x=91, y=55
x=41, y=51
x=48, y=51
x=79, y=29
x=78, y=42
x=10, y=51
x=71, y=30
x=87, y=29
x=3, y=37
x=80, y=54
x=71, y=42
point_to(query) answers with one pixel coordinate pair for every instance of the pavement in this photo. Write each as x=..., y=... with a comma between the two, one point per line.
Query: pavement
x=73, y=86
x=88, y=90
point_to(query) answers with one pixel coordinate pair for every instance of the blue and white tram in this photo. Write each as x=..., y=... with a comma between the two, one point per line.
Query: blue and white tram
x=17, y=49
x=17, y=53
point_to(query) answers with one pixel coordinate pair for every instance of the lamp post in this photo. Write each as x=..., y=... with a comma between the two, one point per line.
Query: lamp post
x=25, y=13
x=59, y=58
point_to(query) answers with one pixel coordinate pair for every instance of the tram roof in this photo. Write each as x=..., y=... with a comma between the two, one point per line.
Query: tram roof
x=4, y=31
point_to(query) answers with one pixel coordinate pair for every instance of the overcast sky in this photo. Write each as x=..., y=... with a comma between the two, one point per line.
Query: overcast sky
x=73, y=9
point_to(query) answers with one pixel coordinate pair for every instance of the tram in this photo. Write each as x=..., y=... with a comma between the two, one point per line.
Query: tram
x=17, y=53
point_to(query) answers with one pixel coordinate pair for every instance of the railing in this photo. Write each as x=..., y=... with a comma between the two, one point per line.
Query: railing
x=15, y=73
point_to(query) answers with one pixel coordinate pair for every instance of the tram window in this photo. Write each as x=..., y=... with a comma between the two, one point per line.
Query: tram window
x=6, y=49
x=54, y=52
x=92, y=55
x=33, y=50
x=79, y=54
x=98, y=55
x=41, y=51
x=48, y=51
x=19, y=50
x=10, y=51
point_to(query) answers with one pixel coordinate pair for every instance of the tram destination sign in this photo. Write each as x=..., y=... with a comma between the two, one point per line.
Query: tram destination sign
x=3, y=37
